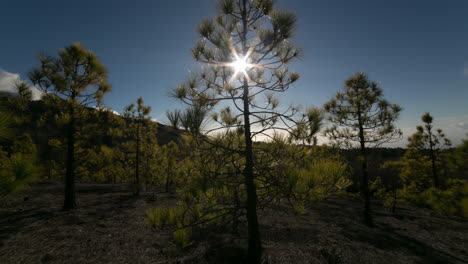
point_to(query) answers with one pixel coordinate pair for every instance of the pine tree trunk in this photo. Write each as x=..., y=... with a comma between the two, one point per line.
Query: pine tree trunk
x=254, y=253
x=394, y=190
x=365, y=189
x=433, y=161
x=137, y=162
x=255, y=248
x=365, y=178
x=70, y=202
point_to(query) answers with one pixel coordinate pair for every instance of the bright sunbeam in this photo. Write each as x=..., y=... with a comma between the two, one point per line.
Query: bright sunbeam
x=240, y=64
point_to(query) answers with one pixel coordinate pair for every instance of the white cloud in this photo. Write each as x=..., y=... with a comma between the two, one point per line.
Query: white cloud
x=461, y=125
x=454, y=127
x=106, y=109
x=8, y=81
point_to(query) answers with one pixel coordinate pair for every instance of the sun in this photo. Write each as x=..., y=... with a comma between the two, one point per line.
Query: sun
x=240, y=64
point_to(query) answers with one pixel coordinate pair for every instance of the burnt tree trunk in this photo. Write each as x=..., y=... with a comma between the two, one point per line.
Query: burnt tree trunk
x=255, y=248
x=365, y=177
x=137, y=161
x=433, y=161
x=70, y=199
x=254, y=253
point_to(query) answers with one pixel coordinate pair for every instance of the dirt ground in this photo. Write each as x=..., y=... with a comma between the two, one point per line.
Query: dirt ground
x=108, y=227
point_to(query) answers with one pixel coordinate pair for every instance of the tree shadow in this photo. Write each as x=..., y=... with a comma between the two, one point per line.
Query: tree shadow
x=13, y=222
x=385, y=238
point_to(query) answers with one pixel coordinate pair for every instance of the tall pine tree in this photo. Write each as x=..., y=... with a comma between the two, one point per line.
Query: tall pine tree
x=139, y=120
x=74, y=80
x=245, y=50
x=362, y=118
x=429, y=142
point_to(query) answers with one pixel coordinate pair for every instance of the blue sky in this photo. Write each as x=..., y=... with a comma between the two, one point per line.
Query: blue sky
x=417, y=50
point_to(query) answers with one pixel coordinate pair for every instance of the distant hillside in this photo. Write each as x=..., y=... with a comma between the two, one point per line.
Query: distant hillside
x=38, y=109
x=166, y=134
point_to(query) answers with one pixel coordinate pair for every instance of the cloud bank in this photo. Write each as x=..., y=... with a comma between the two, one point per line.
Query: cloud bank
x=461, y=125
x=454, y=127
x=8, y=81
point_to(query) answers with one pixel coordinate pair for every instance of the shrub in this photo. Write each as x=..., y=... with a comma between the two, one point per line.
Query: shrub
x=182, y=238
x=17, y=172
x=161, y=217
x=449, y=202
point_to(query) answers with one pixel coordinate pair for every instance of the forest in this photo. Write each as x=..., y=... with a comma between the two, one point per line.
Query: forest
x=232, y=175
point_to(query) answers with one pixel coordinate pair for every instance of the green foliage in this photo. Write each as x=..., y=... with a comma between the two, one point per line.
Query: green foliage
x=161, y=217
x=387, y=192
x=24, y=145
x=19, y=167
x=174, y=118
x=17, y=172
x=410, y=176
x=445, y=202
x=104, y=164
x=212, y=190
x=6, y=122
x=140, y=144
x=315, y=118
x=193, y=118
x=55, y=162
x=71, y=82
x=182, y=238
x=168, y=167
x=65, y=74
x=425, y=138
x=427, y=144
x=316, y=179
x=414, y=174
x=362, y=118
x=361, y=115
x=415, y=186
x=457, y=161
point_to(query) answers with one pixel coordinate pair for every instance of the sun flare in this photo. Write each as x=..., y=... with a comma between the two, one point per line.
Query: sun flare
x=240, y=64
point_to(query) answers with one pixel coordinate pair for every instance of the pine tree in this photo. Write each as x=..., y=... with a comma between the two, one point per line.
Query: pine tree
x=427, y=141
x=245, y=50
x=139, y=120
x=362, y=118
x=74, y=80
x=174, y=118
x=315, y=122
x=169, y=155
